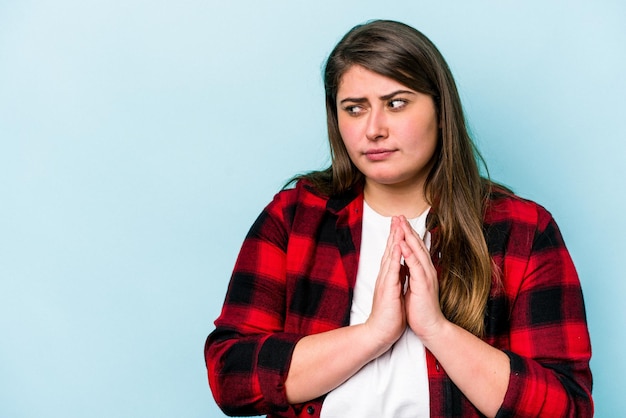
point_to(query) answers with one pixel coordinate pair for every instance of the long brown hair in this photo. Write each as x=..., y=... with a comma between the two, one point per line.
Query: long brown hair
x=454, y=187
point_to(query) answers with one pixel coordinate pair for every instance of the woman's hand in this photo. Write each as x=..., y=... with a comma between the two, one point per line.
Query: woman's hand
x=423, y=311
x=387, y=321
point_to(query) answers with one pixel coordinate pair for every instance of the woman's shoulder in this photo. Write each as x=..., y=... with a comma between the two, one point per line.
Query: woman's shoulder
x=316, y=188
x=301, y=191
x=293, y=198
x=276, y=220
x=503, y=205
x=517, y=226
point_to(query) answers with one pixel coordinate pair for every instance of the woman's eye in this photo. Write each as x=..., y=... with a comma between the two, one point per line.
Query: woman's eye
x=354, y=110
x=397, y=103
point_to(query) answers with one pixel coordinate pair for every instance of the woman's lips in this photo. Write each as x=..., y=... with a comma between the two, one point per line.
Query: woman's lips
x=379, y=154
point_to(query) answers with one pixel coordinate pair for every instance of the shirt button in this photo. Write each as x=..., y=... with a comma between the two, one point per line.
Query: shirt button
x=310, y=409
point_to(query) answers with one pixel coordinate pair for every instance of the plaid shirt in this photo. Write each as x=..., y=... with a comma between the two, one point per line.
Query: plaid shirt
x=295, y=276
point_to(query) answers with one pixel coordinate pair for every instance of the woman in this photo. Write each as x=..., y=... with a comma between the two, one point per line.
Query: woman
x=398, y=282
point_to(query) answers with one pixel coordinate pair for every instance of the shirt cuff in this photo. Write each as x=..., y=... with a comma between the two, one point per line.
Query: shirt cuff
x=273, y=365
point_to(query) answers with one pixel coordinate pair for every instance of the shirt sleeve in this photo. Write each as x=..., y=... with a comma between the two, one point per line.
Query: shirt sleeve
x=549, y=339
x=248, y=354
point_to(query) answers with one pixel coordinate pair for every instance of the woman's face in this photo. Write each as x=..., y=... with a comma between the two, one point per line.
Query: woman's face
x=389, y=130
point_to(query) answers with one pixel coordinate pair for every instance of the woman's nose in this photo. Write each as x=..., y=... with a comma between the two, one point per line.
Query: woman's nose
x=377, y=125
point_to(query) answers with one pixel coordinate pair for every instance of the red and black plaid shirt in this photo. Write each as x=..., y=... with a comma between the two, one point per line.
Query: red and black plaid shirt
x=295, y=276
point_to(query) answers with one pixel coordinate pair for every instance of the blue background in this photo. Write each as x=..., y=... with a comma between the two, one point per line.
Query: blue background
x=140, y=139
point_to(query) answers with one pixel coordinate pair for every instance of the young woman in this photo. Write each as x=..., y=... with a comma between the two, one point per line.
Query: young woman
x=398, y=282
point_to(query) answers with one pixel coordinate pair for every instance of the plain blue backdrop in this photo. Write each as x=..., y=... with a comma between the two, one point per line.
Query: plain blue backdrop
x=140, y=139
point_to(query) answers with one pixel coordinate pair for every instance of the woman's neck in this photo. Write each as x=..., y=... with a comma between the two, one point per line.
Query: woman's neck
x=394, y=201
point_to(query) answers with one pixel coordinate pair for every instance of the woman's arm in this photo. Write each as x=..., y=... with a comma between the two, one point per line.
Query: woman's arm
x=321, y=362
x=254, y=366
x=549, y=340
x=247, y=355
x=479, y=370
x=546, y=372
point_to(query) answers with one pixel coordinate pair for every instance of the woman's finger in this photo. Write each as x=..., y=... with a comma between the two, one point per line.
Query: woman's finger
x=415, y=243
x=390, y=241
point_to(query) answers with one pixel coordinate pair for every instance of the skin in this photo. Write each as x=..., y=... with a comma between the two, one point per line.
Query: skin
x=390, y=132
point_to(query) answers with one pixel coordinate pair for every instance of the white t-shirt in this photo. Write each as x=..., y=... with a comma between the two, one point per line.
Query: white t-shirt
x=396, y=383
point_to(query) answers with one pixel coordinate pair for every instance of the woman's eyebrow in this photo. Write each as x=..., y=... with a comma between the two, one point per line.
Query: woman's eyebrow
x=385, y=97
x=354, y=100
x=391, y=95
